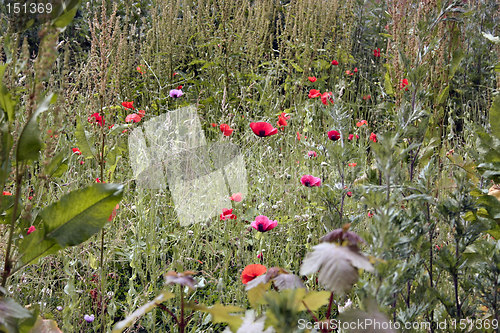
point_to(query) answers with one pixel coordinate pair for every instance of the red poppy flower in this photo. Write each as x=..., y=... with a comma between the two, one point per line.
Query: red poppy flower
x=263, y=129
x=139, y=69
x=348, y=72
x=82, y=162
x=361, y=123
x=141, y=113
x=225, y=129
x=97, y=119
x=259, y=256
x=97, y=180
x=6, y=193
x=31, y=229
x=179, y=87
x=376, y=52
x=263, y=223
x=133, y=117
x=355, y=69
x=310, y=181
x=333, y=135
x=237, y=197
x=327, y=97
x=175, y=73
x=312, y=153
x=214, y=125
x=403, y=84
x=349, y=194
x=373, y=137
x=351, y=137
x=367, y=97
x=251, y=272
x=335, y=62
x=76, y=151
x=113, y=213
x=312, y=78
x=227, y=214
x=370, y=214
x=282, y=118
x=313, y=93
x=128, y=105
x=352, y=165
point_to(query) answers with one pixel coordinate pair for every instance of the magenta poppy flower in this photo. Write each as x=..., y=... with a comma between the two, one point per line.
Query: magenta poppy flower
x=310, y=181
x=31, y=229
x=176, y=93
x=333, y=135
x=312, y=153
x=236, y=197
x=351, y=137
x=134, y=117
x=263, y=129
x=263, y=223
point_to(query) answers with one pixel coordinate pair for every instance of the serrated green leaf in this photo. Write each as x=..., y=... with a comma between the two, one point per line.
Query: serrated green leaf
x=70, y=221
x=29, y=144
x=131, y=318
x=495, y=117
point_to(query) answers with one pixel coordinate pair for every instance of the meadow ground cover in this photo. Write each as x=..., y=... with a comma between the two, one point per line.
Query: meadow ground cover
x=364, y=196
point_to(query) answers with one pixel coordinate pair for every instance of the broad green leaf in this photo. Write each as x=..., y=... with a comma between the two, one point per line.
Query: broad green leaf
x=315, y=300
x=6, y=102
x=495, y=117
x=131, y=318
x=10, y=313
x=65, y=13
x=458, y=55
x=56, y=167
x=256, y=295
x=222, y=314
x=82, y=141
x=29, y=144
x=388, y=84
x=70, y=221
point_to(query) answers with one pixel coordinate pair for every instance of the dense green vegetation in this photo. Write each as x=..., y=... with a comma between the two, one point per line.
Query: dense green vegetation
x=383, y=134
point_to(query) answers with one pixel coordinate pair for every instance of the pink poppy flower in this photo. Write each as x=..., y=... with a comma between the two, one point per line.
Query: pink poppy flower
x=237, y=197
x=133, y=117
x=31, y=229
x=263, y=223
x=333, y=135
x=351, y=137
x=310, y=181
x=312, y=153
x=263, y=129
x=176, y=93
